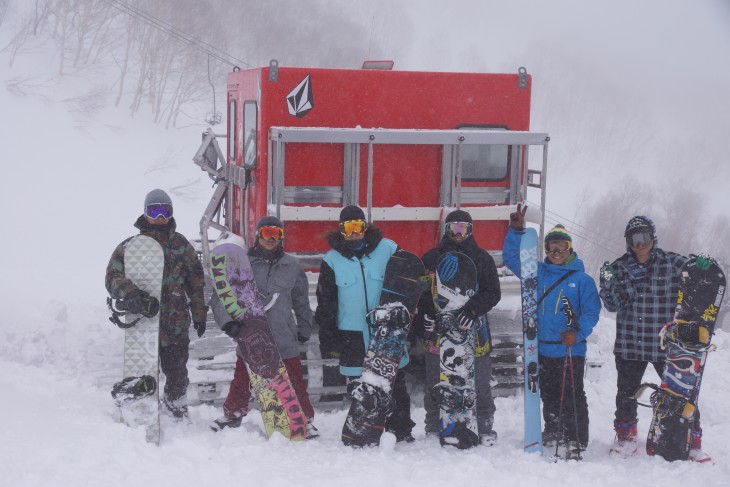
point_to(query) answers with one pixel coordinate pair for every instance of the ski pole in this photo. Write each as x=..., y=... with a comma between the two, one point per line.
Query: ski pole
x=561, y=426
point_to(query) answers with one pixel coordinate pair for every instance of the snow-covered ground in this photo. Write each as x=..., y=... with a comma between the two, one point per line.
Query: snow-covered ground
x=72, y=186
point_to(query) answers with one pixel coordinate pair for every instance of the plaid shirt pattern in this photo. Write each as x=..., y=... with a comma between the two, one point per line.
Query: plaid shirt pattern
x=643, y=305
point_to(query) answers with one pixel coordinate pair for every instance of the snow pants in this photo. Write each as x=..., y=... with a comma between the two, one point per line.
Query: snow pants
x=563, y=399
x=174, y=364
x=239, y=395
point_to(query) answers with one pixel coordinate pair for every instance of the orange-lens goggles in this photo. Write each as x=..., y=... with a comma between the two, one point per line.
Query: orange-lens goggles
x=349, y=227
x=267, y=233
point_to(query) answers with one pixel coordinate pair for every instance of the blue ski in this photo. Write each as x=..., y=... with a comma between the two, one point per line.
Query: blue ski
x=528, y=276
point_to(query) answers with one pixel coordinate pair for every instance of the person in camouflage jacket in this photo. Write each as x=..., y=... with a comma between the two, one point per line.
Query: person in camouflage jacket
x=182, y=280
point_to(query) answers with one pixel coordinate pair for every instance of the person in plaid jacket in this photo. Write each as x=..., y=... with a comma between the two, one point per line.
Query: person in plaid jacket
x=641, y=286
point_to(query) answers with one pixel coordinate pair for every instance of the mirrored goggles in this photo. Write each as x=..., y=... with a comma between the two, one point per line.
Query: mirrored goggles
x=157, y=211
x=641, y=238
x=557, y=251
x=349, y=227
x=459, y=228
x=268, y=233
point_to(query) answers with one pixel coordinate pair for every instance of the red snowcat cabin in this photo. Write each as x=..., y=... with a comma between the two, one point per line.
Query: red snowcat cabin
x=408, y=147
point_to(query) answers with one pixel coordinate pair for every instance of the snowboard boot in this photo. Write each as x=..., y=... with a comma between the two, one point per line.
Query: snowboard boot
x=178, y=408
x=488, y=438
x=312, y=431
x=625, y=443
x=574, y=450
x=226, y=422
x=487, y=435
x=695, y=448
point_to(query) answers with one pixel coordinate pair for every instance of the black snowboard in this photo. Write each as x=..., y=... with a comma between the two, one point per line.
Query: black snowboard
x=371, y=393
x=455, y=393
x=687, y=342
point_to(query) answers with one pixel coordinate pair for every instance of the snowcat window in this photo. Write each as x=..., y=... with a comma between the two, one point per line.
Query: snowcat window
x=232, y=131
x=249, y=134
x=484, y=163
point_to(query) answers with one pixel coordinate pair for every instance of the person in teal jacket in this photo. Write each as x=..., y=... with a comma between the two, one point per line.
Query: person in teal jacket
x=349, y=286
x=561, y=275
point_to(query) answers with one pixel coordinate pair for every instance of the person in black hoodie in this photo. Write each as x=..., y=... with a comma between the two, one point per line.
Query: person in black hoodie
x=458, y=237
x=349, y=287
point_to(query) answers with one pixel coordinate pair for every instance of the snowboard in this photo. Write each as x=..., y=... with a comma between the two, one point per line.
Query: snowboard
x=528, y=278
x=236, y=290
x=455, y=281
x=144, y=263
x=371, y=398
x=687, y=342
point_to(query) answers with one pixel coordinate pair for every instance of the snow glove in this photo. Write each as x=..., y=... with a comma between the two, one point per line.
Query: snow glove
x=467, y=320
x=569, y=338
x=199, y=326
x=232, y=329
x=607, y=273
x=140, y=302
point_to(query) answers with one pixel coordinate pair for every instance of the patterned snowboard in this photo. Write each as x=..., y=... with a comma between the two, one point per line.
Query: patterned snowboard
x=454, y=283
x=528, y=277
x=144, y=263
x=371, y=393
x=235, y=287
x=687, y=343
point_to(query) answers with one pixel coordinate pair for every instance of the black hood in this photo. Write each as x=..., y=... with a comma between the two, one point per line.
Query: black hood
x=337, y=241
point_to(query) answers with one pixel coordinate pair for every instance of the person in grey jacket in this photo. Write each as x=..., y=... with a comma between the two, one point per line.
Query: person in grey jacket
x=284, y=290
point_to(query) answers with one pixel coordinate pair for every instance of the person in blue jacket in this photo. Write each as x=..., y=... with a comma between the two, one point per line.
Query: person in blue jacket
x=349, y=286
x=561, y=275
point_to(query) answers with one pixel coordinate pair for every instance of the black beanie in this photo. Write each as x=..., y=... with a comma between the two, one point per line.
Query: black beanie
x=269, y=221
x=639, y=224
x=458, y=216
x=351, y=212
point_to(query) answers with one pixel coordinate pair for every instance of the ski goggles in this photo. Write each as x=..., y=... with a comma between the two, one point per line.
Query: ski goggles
x=639, y=238
x=157, y=211
x=349, y=227
x=459, y=228
x=268, y=233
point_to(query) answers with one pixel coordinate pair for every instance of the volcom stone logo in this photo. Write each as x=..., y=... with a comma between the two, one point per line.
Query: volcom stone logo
x=300, y=101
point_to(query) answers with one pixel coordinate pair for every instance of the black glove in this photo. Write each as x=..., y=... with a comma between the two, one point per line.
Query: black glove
x=136, y=301
x=199, y=327
x=302, y=339
x=571, y=319
x=607, y=273
x=232, y=329
x=467, y=320
x=429, y=328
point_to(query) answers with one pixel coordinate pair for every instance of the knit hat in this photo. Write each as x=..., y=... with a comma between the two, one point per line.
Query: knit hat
x=269, y=221
x=458, y=216
x=558, y=234
x=639, y=224
x=351, y=212
x=157, y=197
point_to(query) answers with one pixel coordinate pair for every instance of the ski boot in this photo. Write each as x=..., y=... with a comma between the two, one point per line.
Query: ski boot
x=625, y=443
x=695, y=448
x=574, y=450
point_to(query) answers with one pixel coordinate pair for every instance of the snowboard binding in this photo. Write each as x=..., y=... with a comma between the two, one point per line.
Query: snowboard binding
x=118, y=309
x=133, y=388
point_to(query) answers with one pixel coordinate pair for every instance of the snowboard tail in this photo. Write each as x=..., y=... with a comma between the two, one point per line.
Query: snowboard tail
x=687, y=341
